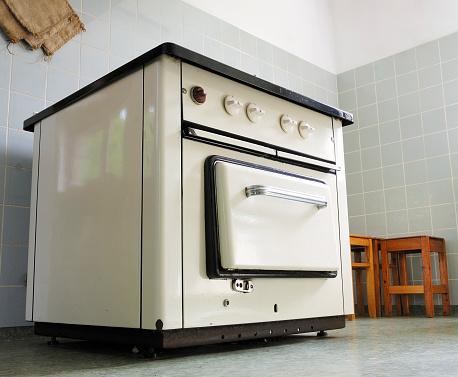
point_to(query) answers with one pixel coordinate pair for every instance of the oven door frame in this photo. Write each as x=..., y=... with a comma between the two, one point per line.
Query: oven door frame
x=214, y=267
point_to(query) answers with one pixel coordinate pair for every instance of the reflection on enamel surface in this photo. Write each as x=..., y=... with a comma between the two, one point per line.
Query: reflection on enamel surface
x=100, y=150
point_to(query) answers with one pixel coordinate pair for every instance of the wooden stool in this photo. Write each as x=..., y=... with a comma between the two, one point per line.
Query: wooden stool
x=399, y=248
x=368, y=246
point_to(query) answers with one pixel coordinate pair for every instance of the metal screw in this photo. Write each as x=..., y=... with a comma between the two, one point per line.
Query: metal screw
x=226, y=302
x=183, y=90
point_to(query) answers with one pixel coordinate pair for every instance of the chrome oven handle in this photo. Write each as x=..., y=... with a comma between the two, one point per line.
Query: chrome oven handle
x=319, y=201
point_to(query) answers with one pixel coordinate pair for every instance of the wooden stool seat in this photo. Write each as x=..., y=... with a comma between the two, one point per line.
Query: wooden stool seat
x=398, y=248
x=368, y=246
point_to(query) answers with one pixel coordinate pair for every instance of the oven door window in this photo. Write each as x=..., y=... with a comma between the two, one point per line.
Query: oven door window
x=265, y=222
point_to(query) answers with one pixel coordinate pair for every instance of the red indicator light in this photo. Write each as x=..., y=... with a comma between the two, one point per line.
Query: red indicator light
x=198, y=95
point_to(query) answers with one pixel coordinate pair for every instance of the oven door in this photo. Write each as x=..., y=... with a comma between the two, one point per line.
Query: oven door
x=286, y=250
x=266, y=222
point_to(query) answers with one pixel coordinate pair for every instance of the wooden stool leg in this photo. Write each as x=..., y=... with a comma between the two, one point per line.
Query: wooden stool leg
x=370, y=284
x=404, y=280
x=444, y=280
x=427, y=277
x=351, y=317
x=386, y=280
x=359, y=285
x=378, y=301
x=394, y=260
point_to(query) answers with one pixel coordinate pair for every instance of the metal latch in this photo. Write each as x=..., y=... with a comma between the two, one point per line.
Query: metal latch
x=245, y=286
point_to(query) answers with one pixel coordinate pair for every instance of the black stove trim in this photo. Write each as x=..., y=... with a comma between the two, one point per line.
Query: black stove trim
x=213, y=255
x=186, y=337
x=200, y=61
x=188, y=132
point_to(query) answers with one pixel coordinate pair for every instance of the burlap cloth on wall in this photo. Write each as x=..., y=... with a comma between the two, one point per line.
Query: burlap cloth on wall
x=41, y=23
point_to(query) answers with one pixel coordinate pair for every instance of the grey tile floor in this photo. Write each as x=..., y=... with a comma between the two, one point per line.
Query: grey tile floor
x=398, y=346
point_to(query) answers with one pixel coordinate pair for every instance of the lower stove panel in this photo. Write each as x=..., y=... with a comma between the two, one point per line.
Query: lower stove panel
x=192, y=336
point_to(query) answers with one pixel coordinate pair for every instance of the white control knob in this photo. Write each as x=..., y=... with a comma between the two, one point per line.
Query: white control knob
x=254, y=112
x=232, y=105
x=287, y=124
x=305, y=129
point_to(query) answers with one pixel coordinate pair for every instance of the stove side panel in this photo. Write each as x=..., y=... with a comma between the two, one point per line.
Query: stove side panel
x=347, y=285
x=33, y=219
x=86, y=241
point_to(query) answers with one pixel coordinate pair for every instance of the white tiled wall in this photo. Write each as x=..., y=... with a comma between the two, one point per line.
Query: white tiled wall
x=117, y=31
x=402, y=152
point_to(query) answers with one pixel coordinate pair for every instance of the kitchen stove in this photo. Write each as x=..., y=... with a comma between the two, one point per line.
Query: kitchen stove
x=178, y=201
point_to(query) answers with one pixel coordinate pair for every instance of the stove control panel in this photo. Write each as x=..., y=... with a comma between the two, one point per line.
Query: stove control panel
x=220, y=103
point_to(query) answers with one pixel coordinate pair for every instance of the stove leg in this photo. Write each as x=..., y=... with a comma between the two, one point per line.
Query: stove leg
x=53, y=341
x=322, y=333
x=149, y=353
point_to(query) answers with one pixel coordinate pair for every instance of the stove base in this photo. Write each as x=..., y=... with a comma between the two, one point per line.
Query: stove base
x=190, y=336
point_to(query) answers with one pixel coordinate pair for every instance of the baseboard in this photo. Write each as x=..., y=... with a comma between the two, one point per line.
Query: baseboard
x=415, y=310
